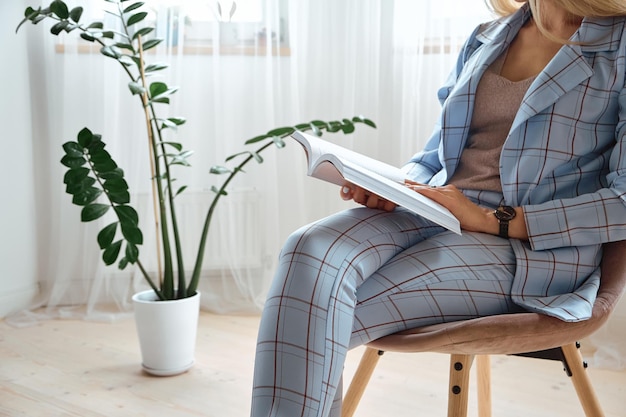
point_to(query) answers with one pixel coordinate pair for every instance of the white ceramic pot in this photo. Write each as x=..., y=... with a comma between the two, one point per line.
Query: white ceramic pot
x=167, y=332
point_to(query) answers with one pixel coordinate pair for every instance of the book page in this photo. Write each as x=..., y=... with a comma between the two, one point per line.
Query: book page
x=318, y=149
x=338, y=165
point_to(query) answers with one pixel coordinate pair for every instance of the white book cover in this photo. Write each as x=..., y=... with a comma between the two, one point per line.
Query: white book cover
x=335, y=164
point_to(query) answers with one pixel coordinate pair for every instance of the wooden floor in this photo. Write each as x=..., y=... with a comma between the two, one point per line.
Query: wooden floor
x=78, y=368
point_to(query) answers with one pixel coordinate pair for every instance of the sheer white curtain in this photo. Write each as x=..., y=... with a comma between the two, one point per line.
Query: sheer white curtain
x=309, y=59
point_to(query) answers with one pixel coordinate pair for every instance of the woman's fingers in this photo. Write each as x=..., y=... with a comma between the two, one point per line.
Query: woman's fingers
x=365, y=198
x=346, y=192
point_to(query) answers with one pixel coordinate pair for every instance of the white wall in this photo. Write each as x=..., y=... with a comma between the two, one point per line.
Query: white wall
x=18, y=250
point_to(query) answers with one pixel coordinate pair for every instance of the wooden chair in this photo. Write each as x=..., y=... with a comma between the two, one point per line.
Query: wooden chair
x=527, y=334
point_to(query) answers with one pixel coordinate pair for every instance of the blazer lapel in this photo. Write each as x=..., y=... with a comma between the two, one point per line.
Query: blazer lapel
x=565, y=71
x=569, y=67
x=457, y=112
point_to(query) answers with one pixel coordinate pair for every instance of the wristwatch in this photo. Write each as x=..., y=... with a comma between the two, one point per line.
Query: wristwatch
x=504, y=214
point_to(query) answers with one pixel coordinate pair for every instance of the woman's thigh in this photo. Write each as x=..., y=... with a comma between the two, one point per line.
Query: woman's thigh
x=444, y=278
x=360, y=238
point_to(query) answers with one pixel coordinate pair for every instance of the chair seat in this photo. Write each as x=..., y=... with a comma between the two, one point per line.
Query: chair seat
x=517, y=332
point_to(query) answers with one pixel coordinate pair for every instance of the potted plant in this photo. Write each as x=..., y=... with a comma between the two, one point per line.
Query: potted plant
x=97, y=184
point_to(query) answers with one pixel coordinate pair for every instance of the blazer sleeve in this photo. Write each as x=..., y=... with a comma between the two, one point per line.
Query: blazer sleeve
x=588, y=219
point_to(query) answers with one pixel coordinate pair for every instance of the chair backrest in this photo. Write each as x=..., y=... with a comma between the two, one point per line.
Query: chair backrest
x=519, y=332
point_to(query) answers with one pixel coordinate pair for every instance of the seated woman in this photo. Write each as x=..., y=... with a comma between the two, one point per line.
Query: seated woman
x=528, y=154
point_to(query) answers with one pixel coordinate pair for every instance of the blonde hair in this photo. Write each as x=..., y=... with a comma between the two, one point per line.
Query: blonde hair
x=576, y=8
x=580, y=8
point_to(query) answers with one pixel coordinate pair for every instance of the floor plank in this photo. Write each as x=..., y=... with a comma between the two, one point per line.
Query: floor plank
x=89, y=369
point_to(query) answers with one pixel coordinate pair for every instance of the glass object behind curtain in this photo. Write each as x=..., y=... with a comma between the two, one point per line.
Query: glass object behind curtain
x=304, y=60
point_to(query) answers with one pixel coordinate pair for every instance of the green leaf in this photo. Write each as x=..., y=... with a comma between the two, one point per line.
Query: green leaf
x=123, y=263
x=76, y=13
x=110, y=51
x=361, y=119
x=165, y=100
x=217, y=191
x=279, y=142
x=73, y=149
x=257, y=157
x=29, y=14
x=219, y=170
x=233, y=156
x=96, y=144
x=320, y=124
x=115, y=185
x=257, y=139
x=157, y=88
x=114, y=173
x=126, y=60
x=281, y=131
x=133, y=6
x=143, y=32
x=119, y=197
x=132, y=233
x=72, y=161
x=180, y=190
x=126, y=46
x=136, y=18
x=149, y=44
x=75, y=175
x=316, y=131
x=93, y=211
x=85, y=137
x=158, y=95
x=59, y=27
x=87, y=37
x=86, y=196
x=181, y=158
x=348, y=127
x=172, y=122
x=106, y=235
x=95, y=25
x=127, y=214
x=79, y=186
x=334, y=127
x=110, y=254
x=136, y=88
x=102, y=161
x=175, y=145
x=132, y=253
x=157, y=66
x=38, y=19
x=60, y=9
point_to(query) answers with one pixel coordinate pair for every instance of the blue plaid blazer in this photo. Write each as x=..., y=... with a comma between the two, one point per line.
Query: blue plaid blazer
x=563, y=160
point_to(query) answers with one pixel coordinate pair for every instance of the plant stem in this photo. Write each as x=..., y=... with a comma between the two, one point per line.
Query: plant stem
x=151, y=148
x=195, y=277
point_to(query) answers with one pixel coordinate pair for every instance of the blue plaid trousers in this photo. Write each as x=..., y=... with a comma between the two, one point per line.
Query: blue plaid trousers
x=359, y=275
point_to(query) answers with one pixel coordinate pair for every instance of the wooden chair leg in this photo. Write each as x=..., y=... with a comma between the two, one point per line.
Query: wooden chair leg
x=460, y=366
x=581, y=381
x=483, y=376
x=359, y=381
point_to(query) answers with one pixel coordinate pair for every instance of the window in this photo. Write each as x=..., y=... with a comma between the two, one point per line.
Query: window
x=435, y=26
x=227, y=23
x=203, y=26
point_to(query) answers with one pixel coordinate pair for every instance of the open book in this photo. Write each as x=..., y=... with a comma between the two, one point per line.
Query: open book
x=338, y=165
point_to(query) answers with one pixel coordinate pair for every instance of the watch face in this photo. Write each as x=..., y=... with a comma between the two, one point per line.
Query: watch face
x=505, y=213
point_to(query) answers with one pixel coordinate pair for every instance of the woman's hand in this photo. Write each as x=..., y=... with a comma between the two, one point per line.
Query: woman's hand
x=472, y=217
x=365, y=198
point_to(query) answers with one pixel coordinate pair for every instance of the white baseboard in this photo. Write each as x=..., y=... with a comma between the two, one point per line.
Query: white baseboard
x=17, y=299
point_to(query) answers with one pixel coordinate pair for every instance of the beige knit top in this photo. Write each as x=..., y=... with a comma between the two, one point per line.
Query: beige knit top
x=496, y=103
